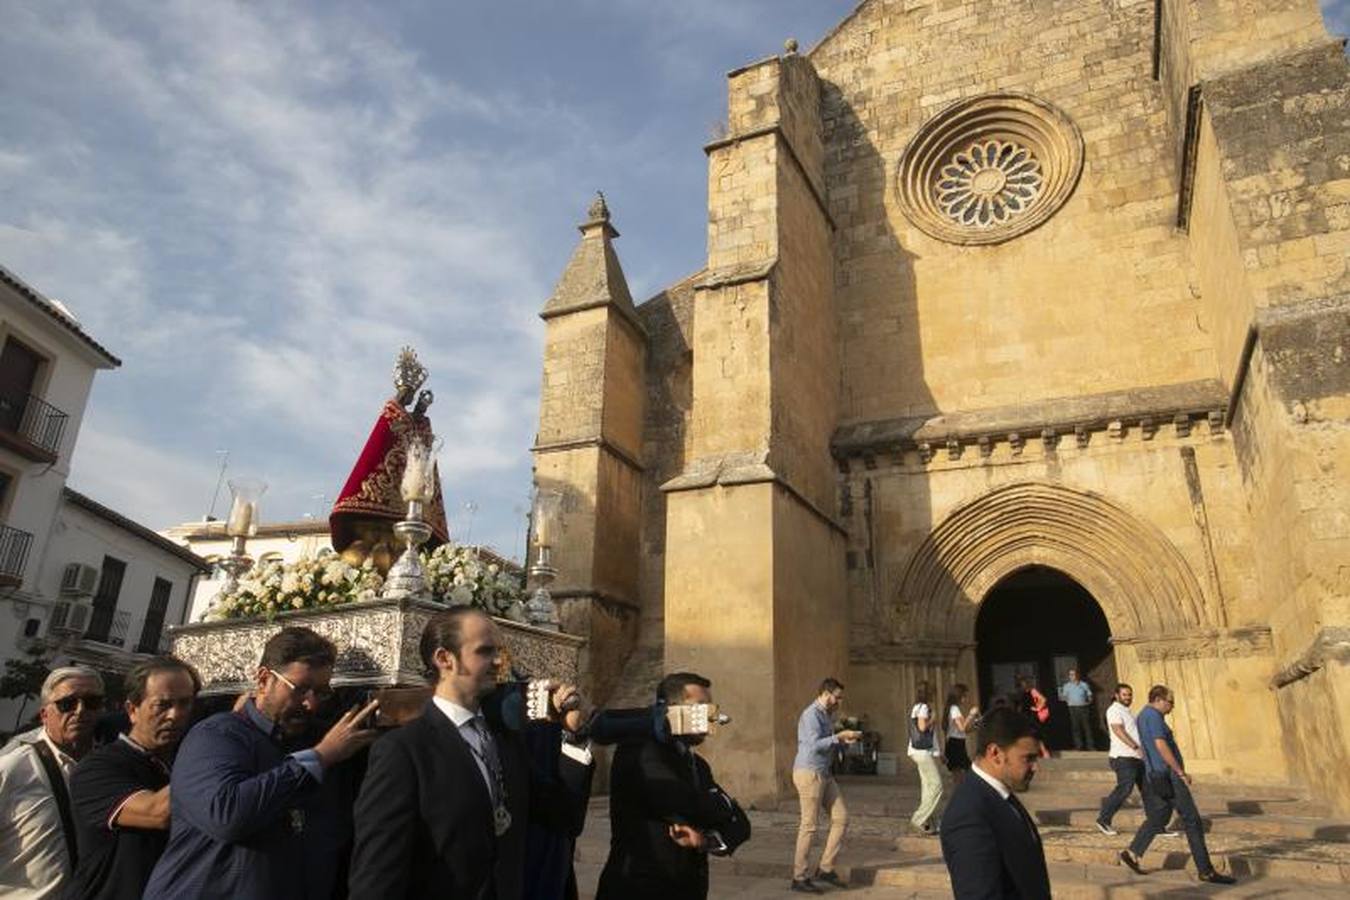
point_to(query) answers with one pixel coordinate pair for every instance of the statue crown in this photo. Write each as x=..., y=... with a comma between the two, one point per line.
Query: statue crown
x=409, y=374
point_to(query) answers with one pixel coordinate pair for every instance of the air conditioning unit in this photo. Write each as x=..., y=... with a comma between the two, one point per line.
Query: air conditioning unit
x=69, y=618
x=79, y=580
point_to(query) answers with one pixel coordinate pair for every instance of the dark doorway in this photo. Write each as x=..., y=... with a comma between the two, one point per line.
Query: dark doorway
x=1039, y=622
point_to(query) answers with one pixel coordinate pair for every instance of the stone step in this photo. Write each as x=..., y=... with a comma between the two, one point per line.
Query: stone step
x=762, y=868
x=1242, y=855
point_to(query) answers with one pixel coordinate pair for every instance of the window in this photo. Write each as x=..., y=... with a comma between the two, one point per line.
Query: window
x=154, y=617
x=105, y=599
x=19, y=368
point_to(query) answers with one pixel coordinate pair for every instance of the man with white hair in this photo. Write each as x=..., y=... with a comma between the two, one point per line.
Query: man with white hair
x=37, y=832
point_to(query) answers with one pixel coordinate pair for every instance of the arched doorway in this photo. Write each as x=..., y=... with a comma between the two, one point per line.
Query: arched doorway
x=1039, y=622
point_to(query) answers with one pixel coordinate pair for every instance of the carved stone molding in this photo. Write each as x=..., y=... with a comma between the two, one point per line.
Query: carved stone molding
x=1233, y=642
x=925, y=652
x=377, y=644
x=987, y=169
x=1330, y=645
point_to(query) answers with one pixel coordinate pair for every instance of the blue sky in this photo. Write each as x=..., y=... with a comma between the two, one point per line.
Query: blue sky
x=256, y=204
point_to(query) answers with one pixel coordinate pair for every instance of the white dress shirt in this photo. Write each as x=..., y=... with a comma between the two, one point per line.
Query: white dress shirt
x=991, y=780
x=34, y=863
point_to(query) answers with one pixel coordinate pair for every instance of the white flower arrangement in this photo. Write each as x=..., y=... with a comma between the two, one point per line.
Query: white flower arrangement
x=455, y=575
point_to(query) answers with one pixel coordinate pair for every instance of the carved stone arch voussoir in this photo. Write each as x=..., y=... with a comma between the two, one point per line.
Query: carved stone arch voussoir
x=1144, y=585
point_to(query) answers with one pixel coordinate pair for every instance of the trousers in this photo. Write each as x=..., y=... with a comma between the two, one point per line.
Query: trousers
x=930, y=781
x=817, y=791
x=1163, y=794
x=1129, y=775
x=1080, y=722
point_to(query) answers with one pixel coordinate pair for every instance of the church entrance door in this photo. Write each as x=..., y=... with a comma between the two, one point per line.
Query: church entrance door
x=1040, y=623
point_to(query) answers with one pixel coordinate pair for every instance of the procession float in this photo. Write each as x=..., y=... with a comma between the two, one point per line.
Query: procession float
x=393, y=565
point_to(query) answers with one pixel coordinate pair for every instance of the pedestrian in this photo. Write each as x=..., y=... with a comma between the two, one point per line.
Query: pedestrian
x=254, y=809
x=990, y=843
x=448, y=799
x=817, y=789
x=1032, y=704
x=37, y=832
x=120, y=792
x=1125, y=757
x=666, y=811
x=956, y=725
x=1078, y=697
x=1168, y=788
x=924, y=750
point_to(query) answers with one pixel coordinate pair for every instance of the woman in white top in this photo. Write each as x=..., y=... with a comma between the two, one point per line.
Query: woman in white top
x=956, y=725
x=924, y=749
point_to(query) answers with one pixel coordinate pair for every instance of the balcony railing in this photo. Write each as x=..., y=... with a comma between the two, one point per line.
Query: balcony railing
x=14, y=547
x=35, y=422
x=117, y=628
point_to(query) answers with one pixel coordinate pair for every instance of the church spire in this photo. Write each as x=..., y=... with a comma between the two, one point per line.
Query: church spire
x=593, y=276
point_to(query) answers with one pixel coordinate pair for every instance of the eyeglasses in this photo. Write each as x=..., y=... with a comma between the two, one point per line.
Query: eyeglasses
x=90, y=702
x=320, y=694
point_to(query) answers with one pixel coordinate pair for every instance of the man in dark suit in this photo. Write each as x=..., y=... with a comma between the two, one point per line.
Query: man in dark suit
x=989, y=841
x=447, y=800
x=666, y=812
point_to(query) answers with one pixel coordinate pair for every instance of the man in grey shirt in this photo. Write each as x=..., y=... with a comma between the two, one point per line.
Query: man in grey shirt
x=816, y=787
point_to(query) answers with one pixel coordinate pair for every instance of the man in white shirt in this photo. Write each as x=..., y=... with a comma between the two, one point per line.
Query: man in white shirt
x=1125, y=757
x=37, y=836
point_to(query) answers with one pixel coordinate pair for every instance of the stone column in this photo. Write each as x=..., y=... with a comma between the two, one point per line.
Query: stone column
x=755, y=591
x=589, y=448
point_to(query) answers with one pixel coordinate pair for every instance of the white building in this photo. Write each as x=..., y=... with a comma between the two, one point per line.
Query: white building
x=78, y=581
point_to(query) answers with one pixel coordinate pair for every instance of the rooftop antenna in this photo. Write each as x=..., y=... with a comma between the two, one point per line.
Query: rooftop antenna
x=220, y=480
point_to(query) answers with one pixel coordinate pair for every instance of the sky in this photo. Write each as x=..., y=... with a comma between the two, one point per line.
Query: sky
x=255, y=205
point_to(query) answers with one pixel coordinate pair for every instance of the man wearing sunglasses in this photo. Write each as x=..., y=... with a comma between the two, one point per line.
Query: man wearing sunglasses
x=257, y=808
x=37, y=832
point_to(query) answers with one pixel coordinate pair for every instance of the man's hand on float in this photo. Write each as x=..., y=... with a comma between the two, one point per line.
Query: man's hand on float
x=348, y=735
x=850, y=737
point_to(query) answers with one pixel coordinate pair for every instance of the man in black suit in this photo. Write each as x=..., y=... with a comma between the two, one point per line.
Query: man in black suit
x=448, y=798
x=666, y=811
x=989, y=841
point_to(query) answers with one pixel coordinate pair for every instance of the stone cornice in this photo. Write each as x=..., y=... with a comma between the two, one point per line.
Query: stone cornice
x=730, y=276
x=627, y=314
x=1328, y=645
x=586, y=443
x=732, y=469
x=1116, y=412
x=1250, y=640
x=929, y=652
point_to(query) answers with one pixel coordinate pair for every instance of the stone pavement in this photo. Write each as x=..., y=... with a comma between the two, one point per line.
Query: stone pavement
x=1277, y=841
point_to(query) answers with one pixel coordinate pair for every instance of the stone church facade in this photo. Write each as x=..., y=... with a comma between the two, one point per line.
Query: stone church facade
x=1017, y=316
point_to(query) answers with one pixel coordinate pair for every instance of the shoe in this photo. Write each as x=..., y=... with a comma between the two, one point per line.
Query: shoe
x=831, y=878
x=1128, y=859
x=1213, y=877
x=804, y=886
x=1107, y=830
x=1171, y=833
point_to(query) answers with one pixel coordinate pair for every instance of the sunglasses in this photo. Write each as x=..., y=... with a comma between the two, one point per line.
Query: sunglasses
x=320, y=695
x=67, y=704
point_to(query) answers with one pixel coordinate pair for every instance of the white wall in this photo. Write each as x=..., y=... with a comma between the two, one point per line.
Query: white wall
x=64, y=383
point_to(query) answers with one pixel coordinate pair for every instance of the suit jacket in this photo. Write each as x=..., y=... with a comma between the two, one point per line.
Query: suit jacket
x=652, y=785
x=990, y=850
x=424, y=824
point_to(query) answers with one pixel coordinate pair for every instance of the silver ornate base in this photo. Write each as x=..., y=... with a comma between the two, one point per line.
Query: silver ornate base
x=376, y=642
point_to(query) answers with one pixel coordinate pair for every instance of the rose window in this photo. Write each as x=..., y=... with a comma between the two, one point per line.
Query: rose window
x=988, y=184
x=989, y=168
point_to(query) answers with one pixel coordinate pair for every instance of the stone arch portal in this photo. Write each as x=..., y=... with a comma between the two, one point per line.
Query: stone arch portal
x=1143, y=584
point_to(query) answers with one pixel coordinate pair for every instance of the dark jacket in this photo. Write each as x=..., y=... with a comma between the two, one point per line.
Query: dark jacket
x=549, y=847
x=652, y=786
x=248, y=820
x=424, y=818
x=990, y=850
